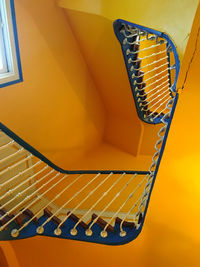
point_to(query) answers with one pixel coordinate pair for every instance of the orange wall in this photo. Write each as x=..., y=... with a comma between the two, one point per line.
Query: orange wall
x=171, y=236
x=103, y=55
x=57, y=94
x=75, y=91
x=10, y=259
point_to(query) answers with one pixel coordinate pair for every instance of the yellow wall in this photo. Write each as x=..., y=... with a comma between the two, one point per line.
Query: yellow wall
x=173, y=17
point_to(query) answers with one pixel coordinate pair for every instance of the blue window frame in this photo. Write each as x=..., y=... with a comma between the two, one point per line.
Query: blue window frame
x=10, y=64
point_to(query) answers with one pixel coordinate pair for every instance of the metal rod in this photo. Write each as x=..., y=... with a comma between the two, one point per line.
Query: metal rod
x=130, y=29
x=102, y=196
x=38, y=197
x=27, y=198
x=135, y=42
x=80, y=203
x=127, y=214
x=167, y=75
x=7, y=145
x=76, y=194
x=146, y=48
x=153, y=76
x=151, y=95
x=156, y=96
x=40, y=229
x=157, y=102
x=153, y=89
x=12, y=155
x=19, y=174
x=108, y=205
x=160, y=112
x=129, y=36
x=154, y=62
x=15, y=165
x=128, y=51
x=156, y=68
x=9, y=192
x=159, y=107
x=26, y=189
x=129, y=197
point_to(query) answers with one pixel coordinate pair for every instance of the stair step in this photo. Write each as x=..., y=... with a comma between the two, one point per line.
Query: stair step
x=102, y=223
x=30, y=215
x=76, y=219
x=49, y=214
x=125, y=223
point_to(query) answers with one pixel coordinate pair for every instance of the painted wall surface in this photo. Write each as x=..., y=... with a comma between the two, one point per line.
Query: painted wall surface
x=104, y=58
x=55, y=83
x=8, y=256
x=173, y=17
x=71, y=101
x=171, y=236
x=75, y=96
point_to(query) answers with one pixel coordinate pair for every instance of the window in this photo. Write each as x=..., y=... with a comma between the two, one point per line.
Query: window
x=10, y=65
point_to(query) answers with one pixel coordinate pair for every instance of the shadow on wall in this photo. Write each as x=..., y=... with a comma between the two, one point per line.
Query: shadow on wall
x=75, y=102
x=3, y=261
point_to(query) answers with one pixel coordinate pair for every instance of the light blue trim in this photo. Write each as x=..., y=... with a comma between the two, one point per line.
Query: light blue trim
x=14, y=24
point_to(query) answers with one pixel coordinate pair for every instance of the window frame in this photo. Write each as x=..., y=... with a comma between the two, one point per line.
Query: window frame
x=9, y=42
